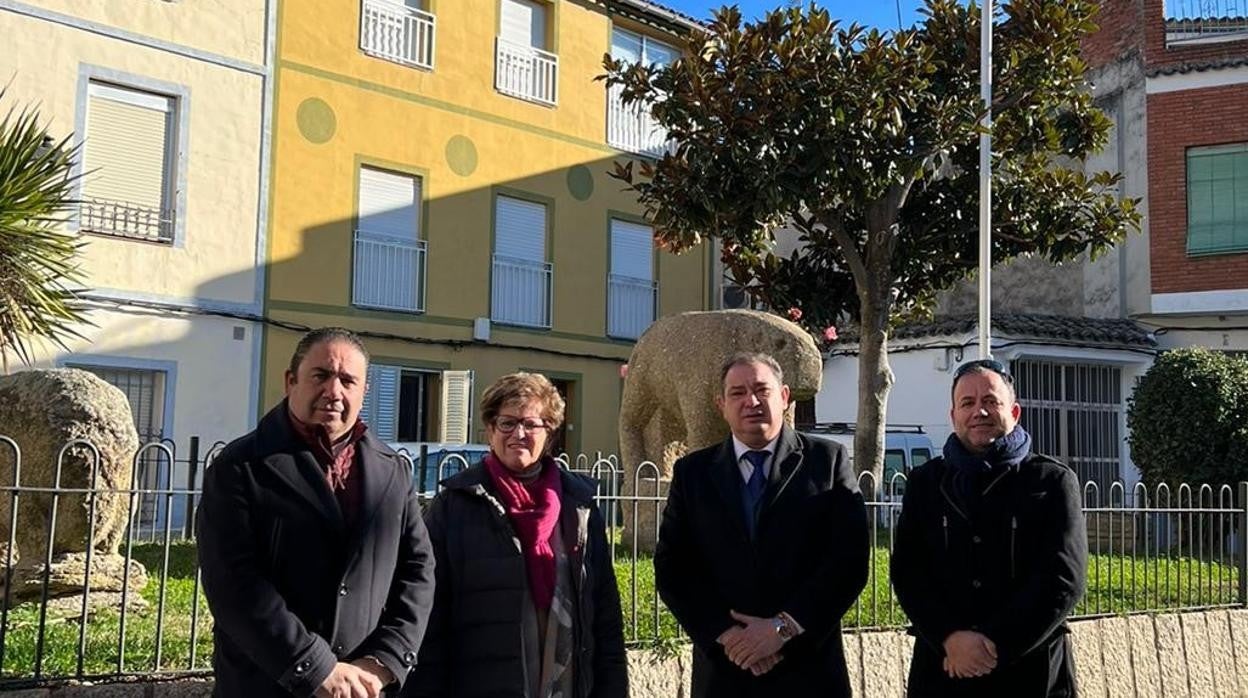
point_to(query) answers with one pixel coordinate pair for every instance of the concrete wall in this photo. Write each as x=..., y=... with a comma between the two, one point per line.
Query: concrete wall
x=1187, y=655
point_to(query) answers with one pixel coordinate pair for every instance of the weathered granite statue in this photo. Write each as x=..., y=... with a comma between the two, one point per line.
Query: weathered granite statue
x=673, y=378
x=42, y=410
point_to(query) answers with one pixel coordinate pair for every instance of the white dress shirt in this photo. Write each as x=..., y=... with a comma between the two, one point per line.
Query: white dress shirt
x=746, y=467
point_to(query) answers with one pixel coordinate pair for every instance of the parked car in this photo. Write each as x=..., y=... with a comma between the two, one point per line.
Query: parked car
x=428, y=456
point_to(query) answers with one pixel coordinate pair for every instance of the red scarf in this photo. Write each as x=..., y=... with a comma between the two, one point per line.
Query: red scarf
x=533, y=508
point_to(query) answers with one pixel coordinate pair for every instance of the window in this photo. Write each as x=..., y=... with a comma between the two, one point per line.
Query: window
x=1217, y=199
x=416, y=405
x=145, y=391
x=520, y=287
x=631, y=290
x=1073, y=412
x=631, y=127
x=919, y=456
x=522, y=66
x=398, y=31
x=128, y=156
x=389, y=266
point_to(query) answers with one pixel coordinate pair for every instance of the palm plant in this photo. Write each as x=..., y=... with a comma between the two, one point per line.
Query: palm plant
x=39, y=272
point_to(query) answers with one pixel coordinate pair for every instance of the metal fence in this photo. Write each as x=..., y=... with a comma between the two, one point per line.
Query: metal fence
x=1152, y=549
x=1199, y=21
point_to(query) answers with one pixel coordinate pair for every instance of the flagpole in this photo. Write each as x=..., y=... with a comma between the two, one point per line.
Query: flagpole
x=985, y=183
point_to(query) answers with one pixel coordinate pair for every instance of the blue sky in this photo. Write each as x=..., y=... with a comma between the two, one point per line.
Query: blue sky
x=876, y=13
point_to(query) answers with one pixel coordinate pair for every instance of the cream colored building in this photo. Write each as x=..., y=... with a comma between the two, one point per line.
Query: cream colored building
x=169, y=100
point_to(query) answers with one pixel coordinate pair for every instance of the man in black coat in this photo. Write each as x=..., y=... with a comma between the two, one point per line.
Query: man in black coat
x=316, y=563
x=990, y=554
x=762, y=548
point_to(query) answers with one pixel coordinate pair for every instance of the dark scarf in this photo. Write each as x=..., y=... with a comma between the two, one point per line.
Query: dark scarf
x=533, y=505
x=972, y=471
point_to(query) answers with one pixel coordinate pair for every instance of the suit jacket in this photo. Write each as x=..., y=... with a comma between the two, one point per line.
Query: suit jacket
x=808, y=558
x=292, y=589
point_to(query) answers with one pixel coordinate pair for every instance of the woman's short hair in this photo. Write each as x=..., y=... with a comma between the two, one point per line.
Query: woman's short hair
x=519, y=388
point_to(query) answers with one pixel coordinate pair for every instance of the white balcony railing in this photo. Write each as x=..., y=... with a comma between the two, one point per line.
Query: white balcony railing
x=126, y=220
x=391, y=31
x=526, y=72
x=1205, y=21
x=632, y=128
x=630, y=305
x=520, y=292
x=389, y=273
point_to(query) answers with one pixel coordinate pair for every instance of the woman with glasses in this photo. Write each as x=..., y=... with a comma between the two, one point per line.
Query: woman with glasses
x=526, y=603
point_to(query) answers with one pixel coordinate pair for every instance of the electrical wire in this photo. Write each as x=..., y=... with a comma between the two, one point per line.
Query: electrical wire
x=153, y=307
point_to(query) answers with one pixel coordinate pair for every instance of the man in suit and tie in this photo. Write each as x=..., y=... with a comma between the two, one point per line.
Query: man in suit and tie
x=315, y=559
x=763, y=547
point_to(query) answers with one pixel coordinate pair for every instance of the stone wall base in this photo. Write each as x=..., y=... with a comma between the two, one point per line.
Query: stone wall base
x=1176, y=655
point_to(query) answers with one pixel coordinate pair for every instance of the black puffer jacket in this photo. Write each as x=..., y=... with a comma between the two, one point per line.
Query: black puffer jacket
x=1012, y=568
x=473, y=646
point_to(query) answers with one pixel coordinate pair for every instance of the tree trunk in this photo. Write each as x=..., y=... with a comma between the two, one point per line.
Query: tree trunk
x=875, y=380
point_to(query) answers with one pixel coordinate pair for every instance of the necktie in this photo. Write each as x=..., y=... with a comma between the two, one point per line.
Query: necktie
x=754, y=488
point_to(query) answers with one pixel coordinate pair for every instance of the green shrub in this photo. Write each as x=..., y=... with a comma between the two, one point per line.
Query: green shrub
x=1188, y=418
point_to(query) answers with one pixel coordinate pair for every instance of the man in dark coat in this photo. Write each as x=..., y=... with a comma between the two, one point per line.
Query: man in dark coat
x=762, y=548
x=990, y=554
x=316, y=563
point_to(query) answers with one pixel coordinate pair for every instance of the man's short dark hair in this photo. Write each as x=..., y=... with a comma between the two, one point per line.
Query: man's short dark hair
x=750, y=357
x=325, y=334
x=984, y=366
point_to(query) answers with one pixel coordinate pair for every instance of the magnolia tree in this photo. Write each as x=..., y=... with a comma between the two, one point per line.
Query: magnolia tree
x=866, y=144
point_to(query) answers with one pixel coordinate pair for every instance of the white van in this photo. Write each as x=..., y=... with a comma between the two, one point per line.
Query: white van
x=905, y=446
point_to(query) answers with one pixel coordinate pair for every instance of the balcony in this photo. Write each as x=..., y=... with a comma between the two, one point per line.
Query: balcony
x=125, y=220
x=520, y=292
x=393, y=32
x=631, y=127
x=1205, y=21
x=526, y=72
x=631, y=306
x=389, y=273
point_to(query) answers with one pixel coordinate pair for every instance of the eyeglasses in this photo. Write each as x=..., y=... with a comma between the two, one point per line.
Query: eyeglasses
x=984, y=364
x=508, y=425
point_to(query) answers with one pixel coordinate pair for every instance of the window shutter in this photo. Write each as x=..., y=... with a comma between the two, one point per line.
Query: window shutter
x=381, y=404
x=456, y=406
x=632, y=250
x=126, y=154
x=389, y=204
x=524, y=23
x=520, y=229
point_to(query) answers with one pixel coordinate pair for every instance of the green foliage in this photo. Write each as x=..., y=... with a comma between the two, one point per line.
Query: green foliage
x=38, y=268
x=1188, y=418
x=867, y=143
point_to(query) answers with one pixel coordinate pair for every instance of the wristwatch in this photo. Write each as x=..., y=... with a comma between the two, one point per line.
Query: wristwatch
x=783, y=629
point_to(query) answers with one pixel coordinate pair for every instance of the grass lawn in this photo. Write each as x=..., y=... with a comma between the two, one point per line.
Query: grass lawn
x=1116, y=584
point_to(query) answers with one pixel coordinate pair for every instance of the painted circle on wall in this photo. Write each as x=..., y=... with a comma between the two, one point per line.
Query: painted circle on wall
x=316, y=120
x=580, y=182
x=461, y=155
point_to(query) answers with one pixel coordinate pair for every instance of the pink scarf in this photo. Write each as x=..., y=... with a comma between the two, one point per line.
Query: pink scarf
x=533, y=508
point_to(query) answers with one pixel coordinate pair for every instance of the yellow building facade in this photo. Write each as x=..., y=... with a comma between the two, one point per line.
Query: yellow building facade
x=440, y=184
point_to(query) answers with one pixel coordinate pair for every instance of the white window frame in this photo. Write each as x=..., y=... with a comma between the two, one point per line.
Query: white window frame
x=376, y=250
x=177, y=140
x=630, y=296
